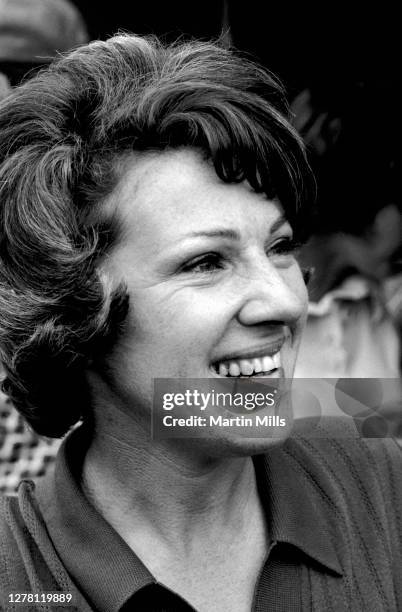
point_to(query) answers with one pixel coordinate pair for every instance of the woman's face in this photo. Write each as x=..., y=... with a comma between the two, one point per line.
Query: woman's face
x=214, y=286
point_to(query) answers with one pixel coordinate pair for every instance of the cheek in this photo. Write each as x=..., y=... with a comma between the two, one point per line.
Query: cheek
x=175, y=326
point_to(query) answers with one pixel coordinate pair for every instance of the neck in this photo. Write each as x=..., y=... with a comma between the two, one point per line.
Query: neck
x=158, y=490
x=164, y=487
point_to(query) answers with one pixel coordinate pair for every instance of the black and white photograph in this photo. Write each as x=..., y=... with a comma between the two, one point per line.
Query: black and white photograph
x=200, y=307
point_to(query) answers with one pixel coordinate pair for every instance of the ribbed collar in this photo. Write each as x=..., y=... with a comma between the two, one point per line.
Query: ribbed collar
x=101, y=564
x=107, y=571
x=293, y=516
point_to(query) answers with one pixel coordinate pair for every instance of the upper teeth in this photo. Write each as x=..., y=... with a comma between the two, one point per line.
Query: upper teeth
x=247, y=367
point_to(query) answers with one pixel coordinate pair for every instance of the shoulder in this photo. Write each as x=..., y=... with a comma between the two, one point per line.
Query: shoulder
x=359, y=478
x=15, y=537
x=333, y=446
x=18, y=525
x=12, y=514
x=335, y=442
x=28, y=561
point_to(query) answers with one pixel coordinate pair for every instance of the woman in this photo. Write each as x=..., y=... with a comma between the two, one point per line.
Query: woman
x=151, y=200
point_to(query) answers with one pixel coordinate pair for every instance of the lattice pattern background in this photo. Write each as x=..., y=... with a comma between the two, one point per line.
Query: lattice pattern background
x=23, y=454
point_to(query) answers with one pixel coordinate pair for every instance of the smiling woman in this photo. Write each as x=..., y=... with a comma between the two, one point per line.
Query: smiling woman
x=215, y=286
x=152, y=201
x=79, y=138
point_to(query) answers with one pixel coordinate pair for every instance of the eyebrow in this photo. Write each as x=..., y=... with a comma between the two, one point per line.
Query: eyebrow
x=216, y=233
x=234, y=234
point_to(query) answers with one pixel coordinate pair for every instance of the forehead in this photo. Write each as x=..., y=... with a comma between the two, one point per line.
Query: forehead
x=179, y=191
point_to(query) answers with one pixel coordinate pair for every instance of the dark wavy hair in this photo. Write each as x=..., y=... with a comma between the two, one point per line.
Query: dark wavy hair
x=61, y=135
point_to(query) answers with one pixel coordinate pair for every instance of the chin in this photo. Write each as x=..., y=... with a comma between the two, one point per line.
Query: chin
x=243, y=441
x=225, y=447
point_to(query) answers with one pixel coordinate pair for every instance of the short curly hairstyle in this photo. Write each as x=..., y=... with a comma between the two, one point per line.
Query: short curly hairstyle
x=61, y=135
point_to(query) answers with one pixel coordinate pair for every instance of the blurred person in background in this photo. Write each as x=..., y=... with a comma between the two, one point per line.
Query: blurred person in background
x=32, y=33
x=353, y=327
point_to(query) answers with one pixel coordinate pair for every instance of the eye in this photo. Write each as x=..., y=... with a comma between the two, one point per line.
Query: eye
x=285, y=246
x=209, y=262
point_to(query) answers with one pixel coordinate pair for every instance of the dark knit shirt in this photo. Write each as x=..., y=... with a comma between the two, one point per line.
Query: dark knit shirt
x=333, y=507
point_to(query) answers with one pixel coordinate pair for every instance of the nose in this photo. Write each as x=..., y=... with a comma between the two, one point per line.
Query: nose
x=272, y=295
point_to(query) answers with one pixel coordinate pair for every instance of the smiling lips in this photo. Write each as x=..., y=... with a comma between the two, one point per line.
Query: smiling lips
x=258, y=362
